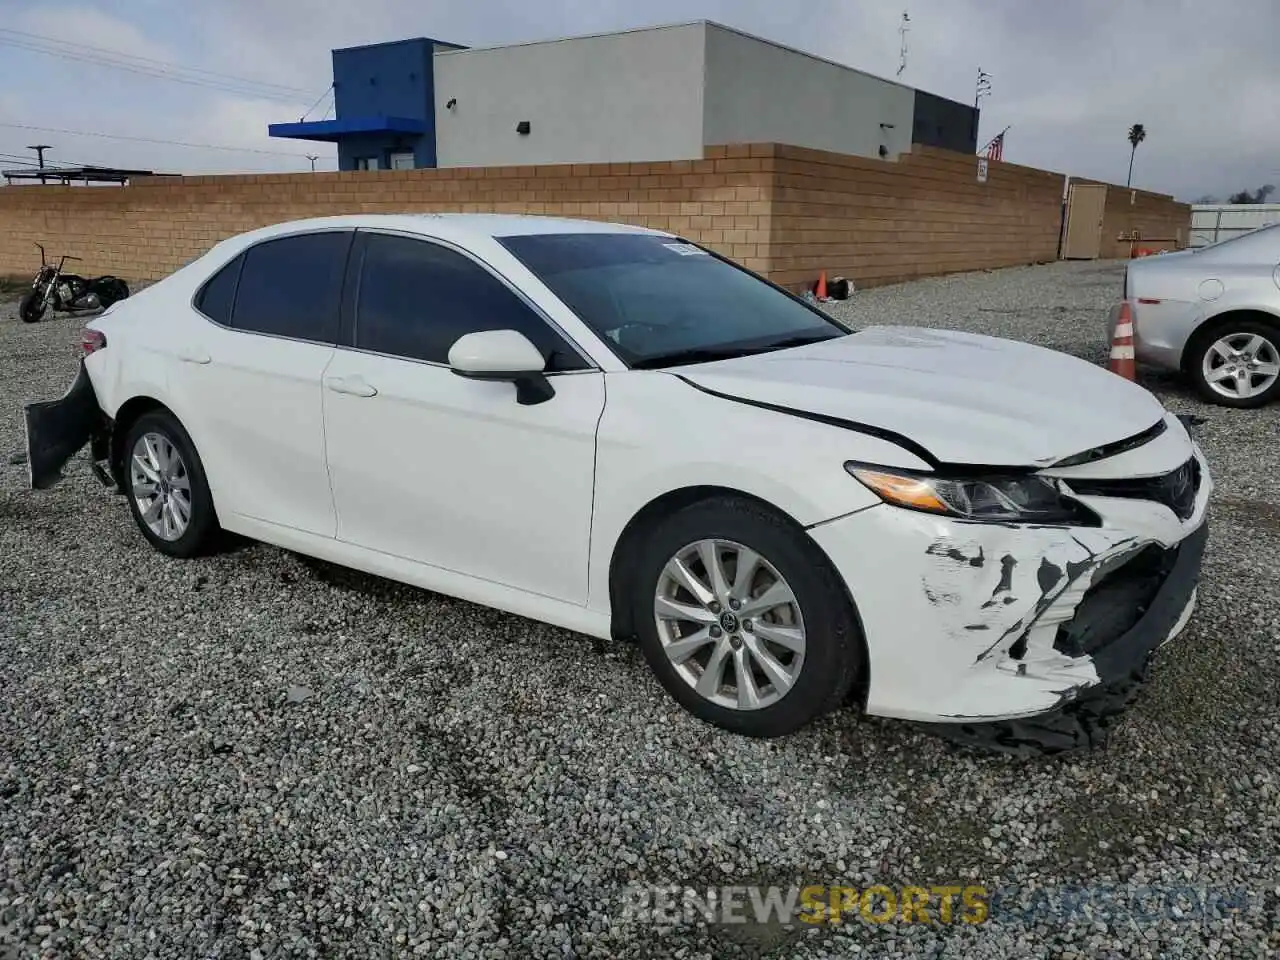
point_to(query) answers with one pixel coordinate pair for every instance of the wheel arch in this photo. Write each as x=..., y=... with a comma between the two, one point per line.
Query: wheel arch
x=206, y=525
x=126, y=416
x=1219, y=321
x=624, y=550
x=620, y=561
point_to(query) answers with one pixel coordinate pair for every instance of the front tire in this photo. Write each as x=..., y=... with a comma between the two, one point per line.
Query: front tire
x=31, y=308
x=165, y=482
x=742, y=618
x=1237, y=364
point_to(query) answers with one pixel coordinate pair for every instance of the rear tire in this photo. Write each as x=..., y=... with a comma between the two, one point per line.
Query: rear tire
x=1231, y=346
x=817, y=624
x=165, y=482
x=112, y=290
x=31, y=308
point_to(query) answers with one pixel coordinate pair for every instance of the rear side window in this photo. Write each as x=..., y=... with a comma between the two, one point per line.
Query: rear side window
x=417, y=298
x=216, y=298
x=291, y=287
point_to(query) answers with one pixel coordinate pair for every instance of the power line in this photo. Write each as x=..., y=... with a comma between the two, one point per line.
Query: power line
x=27, y=161
x=149, y=67
x=59, y=162
x=317, y=103
x=175, y=143
x=240, y=89
x=152, y=60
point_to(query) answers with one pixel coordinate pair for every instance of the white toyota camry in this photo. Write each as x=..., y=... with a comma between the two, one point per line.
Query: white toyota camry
x=616, y=431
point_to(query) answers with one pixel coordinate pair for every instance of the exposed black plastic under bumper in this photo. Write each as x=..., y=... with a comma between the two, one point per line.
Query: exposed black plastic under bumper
x=1084, y=720
x=58, y=429
x=1121, y=655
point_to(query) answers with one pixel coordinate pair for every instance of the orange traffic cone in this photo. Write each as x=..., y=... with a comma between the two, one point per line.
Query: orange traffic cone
x=1122, y=344
x=821, y=291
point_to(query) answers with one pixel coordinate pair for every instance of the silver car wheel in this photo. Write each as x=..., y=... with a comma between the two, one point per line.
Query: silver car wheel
x=730, y=624
x=1241, y=365
x=161, y=486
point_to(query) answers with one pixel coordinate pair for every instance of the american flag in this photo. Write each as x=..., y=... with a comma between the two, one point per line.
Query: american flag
x=995, y=149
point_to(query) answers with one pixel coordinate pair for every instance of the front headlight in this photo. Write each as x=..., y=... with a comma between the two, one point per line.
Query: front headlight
x=1003, y=499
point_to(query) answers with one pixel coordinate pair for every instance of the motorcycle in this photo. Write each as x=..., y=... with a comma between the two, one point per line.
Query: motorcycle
x=67, y=292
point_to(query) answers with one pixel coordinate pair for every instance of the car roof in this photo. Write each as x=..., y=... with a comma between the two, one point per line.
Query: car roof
x=458, y=227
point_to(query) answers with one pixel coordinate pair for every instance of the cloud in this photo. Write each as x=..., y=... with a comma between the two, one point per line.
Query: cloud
x=91, y=26
x=243, y=123
x=1068, y=77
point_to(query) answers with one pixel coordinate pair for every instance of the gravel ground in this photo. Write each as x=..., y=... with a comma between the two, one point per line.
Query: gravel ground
x=256, y=755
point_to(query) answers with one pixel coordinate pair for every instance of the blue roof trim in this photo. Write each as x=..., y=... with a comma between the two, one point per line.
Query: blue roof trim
x=333, y=130
x=396, y=43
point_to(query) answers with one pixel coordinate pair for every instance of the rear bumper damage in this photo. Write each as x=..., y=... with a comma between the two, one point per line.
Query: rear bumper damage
x=56, y=430
x=973, y=622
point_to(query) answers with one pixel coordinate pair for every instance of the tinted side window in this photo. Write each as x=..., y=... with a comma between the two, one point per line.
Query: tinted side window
x=291, y=287
x=215, y=300
x=417, y=299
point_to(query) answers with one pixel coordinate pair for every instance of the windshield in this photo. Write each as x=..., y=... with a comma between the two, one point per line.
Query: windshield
x=660, y=302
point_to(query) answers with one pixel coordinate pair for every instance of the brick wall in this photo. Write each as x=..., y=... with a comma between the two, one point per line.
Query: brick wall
x=1134, y=219
x=783, y=211
x=146, y=230
x=926, y=214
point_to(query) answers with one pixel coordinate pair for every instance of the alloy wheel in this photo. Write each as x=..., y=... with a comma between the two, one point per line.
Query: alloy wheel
x=161, y=486
x=730, y=624
x=1241, y=365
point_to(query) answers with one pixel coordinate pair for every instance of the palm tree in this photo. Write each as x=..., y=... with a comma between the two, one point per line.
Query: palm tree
x=1137, y=133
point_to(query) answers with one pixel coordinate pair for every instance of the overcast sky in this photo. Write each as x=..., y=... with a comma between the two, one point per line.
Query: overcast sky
x=1069, y=76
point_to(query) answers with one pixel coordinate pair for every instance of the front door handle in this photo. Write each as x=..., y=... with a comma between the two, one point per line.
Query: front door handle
x=192, y=355
x=352, y=386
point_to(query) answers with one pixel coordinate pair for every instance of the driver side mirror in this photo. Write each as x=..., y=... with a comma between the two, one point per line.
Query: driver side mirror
x=503, y=355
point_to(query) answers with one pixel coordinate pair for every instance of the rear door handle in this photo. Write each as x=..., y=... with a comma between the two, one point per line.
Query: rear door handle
x=192, y=355
x=352, y=386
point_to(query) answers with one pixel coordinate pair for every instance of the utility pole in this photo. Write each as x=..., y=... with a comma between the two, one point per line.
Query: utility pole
x=903, y=30
x=313, y=158
x=981, y=89
x=40, y=148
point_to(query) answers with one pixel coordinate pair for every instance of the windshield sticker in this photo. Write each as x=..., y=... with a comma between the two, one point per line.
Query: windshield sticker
x=686, y=249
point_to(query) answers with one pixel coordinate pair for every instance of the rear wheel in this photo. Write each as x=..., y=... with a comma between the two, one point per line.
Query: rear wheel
x=31, y=307
x=111, y=290
x=168, y=493
x=1237, y=364
x=742, y=618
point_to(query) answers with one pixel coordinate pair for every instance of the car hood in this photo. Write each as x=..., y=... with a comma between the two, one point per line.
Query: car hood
x=965, y=398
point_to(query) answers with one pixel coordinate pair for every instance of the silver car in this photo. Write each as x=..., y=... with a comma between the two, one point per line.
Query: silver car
x=1214, y=314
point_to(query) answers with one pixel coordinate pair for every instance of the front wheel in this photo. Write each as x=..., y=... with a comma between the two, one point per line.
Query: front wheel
x=31, y=308
x=743, y=619
x=168, y=493
x=1237, y=365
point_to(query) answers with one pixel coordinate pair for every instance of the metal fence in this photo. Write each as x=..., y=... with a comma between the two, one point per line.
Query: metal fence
x=1211, y=222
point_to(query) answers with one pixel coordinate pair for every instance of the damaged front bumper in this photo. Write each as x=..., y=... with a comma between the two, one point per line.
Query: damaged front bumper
x=56, y=430
x=980, y=622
